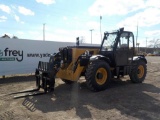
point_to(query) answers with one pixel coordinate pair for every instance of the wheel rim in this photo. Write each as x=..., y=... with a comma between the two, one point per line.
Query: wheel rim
x=140, y=71
x=101, y=76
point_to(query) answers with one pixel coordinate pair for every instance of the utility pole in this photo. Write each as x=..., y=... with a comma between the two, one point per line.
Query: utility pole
x=138, y=47
x=146, y=45
x=43, y=31
x=137, y=34
x=91, y=34
x=100, y=27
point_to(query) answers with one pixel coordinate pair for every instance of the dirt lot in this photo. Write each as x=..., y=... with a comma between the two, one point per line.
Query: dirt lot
x=123, y=100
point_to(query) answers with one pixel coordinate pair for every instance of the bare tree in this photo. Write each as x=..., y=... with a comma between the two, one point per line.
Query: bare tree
x=82, y=39
x=155, y=43
x=5, y=36
x=14, y=37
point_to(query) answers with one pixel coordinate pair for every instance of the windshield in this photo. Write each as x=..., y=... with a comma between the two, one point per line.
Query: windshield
x=109, y=41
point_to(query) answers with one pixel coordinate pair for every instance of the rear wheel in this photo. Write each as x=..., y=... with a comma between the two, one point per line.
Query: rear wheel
x=139, y=72
x=98, y=75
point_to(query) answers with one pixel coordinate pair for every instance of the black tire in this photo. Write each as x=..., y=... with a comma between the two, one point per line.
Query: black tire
x=138, y=72
x=98, y=75
x=67, y=81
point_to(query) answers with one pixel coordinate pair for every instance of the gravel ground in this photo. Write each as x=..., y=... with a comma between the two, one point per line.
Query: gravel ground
x=122, y=100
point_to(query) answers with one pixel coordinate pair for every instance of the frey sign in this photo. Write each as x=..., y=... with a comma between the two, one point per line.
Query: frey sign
x=11, y=55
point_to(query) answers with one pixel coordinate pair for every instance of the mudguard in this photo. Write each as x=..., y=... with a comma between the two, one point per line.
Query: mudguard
x=136, y=58
x=100, y=57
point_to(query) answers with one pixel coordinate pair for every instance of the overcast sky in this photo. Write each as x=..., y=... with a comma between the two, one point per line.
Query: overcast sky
x=67, y=19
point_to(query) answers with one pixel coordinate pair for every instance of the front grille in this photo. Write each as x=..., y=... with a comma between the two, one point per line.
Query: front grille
x=66, y=55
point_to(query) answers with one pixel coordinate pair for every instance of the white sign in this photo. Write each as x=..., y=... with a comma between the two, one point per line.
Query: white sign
x=19, y=56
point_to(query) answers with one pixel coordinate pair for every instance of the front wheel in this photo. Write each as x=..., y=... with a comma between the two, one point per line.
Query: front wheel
x=138, y=72
x=98, y=75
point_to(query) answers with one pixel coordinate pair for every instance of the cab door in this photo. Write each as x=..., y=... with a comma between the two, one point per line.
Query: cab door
x=124, y=50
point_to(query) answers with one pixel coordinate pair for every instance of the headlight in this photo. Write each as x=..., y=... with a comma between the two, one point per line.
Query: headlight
x=62, y=64
x=86, y=52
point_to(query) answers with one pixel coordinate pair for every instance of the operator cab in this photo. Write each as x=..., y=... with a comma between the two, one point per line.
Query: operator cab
x=118, y=46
